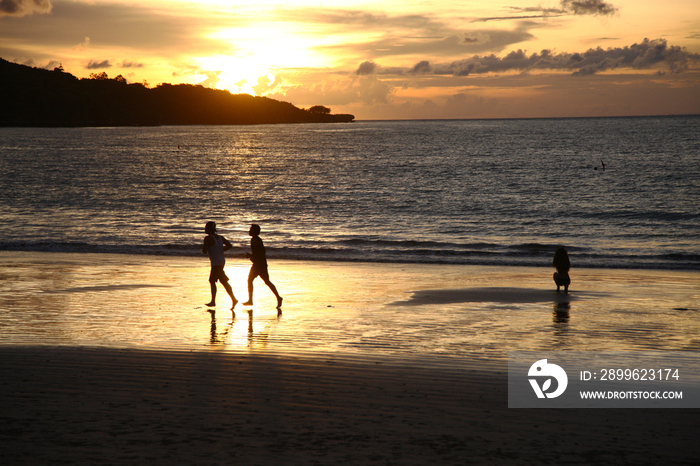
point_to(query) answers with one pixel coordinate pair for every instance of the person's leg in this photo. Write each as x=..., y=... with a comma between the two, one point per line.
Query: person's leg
x=266, y=278
x=251, y=278
x=212, y=284
x=229, y=290
x=273, y=288
x=223, y=279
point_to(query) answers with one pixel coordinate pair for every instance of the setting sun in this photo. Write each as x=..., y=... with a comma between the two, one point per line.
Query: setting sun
x=257, y=54
x=272, y=45
x=238, y=75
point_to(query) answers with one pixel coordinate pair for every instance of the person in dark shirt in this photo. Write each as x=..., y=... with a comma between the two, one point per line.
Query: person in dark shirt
x=259, y=267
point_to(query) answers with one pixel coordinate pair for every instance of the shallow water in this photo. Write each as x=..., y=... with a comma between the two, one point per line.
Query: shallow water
x=344, y=308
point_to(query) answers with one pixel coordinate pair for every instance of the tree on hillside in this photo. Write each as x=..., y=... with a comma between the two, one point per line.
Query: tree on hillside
x=320, y=109
x=99, y=76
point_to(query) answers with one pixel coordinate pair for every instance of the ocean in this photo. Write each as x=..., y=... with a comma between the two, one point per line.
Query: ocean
x=616, y=192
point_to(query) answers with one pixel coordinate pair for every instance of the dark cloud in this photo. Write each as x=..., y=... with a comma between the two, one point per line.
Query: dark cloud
x=568, y=7
x=504, y=18
x=366, y=68
x=98, y=65
x=588, y=7
x=474, y=38
x=648, y=54
x=421, y=68
x=129, y=64
x=24, y=7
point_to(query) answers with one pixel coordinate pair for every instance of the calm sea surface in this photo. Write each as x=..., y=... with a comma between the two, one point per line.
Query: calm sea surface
x=501, y=192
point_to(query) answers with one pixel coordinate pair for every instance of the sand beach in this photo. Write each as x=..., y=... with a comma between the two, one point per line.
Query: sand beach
x=114, y=359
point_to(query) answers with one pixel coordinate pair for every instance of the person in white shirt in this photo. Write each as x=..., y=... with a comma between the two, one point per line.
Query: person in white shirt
x=215, y=245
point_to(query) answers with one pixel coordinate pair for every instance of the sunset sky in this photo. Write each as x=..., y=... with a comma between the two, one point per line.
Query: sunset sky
x=384, y=59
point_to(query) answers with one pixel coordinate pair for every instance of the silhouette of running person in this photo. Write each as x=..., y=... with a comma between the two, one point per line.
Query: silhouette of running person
x=215, y=245
x=259, y=267
x=562, y=264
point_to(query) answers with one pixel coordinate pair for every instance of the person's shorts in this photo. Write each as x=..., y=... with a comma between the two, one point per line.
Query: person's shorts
x=259, y=270
x=218, y=274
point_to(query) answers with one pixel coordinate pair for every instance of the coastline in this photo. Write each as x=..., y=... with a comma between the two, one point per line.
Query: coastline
x=114, y=359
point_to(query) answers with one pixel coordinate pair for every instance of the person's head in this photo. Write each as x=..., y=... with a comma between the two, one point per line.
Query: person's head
x=210, y=228
x=254, y=230
x=561, y=257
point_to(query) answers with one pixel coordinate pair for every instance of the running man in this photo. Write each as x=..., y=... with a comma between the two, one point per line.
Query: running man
x=215, y=245
x=259, y=267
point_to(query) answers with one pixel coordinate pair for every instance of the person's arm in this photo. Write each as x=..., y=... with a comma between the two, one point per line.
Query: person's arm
x=227, y=244
x=257, y=249
x=208, y=241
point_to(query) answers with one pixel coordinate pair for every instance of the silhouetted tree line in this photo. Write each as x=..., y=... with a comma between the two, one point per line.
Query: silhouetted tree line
x=38, y=97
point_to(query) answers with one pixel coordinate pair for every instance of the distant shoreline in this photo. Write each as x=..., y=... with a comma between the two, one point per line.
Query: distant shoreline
x=39, y=98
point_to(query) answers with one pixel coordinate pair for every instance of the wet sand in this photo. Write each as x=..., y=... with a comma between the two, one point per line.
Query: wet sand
x=147, y=302
x=115, y=360
x=111, y=406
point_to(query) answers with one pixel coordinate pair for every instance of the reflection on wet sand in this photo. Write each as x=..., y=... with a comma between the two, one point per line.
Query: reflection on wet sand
x=560, y=323
x=561, y=313
x=218, y=338
x=223, y=334
x=128, y=301
x=260, y=333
